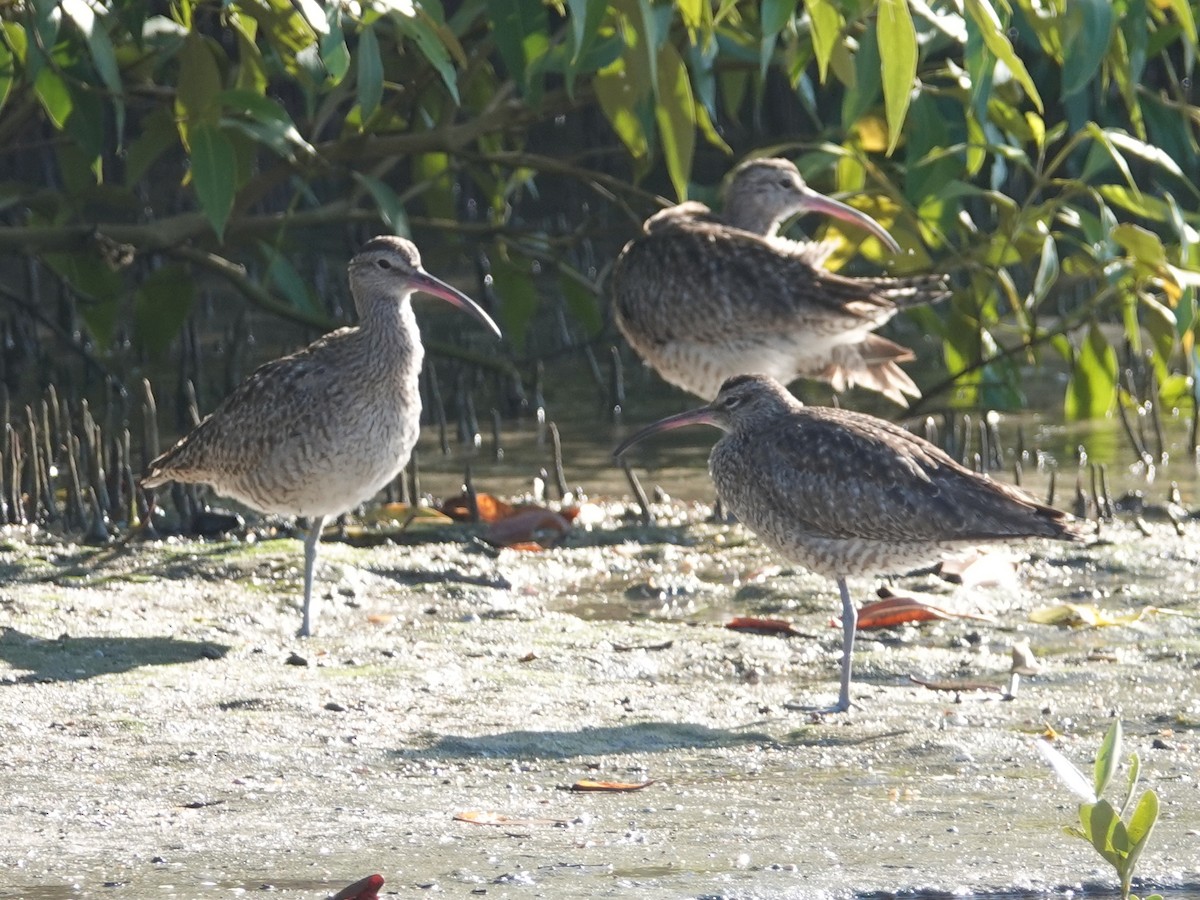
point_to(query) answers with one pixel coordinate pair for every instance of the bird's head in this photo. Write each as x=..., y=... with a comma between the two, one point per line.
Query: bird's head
x=763, y=193
x=390, y=267
x=744, y=402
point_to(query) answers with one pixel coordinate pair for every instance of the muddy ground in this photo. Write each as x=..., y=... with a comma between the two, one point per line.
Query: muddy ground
x=165, y=734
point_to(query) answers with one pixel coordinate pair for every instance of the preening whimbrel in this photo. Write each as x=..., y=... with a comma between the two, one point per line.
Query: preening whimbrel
x=316, y=433
x=702, y=297
x=843, y=493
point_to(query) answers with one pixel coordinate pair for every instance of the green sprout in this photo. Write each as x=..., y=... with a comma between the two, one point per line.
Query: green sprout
x=1118, y=840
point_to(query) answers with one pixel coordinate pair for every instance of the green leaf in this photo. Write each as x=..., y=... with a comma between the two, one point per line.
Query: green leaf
x=521, y=29
x=1183, y=12
x=826, y=23
x=283, y=275
x=864, y=92
x=619, y=94
x=586, y=16
x=370, y=73
x=160, y=307
x=334, y=53
x=676, y=116
x=213, y=174
x=391, y=207
x=1047, y=271
x=775, y=14
x=7, y=71
x=1145, y=815
x=583, y=305
x=518, y=298
x=983, y=16
x=158, y=133
x=1143, y=245
x=898, y=63
x=1087, y=30
x=99, y=288
x=100, y=48
x=1103, y=139
x=265, y=121
x=198, y=86
x=1108, y=757
x=1141, y=149
x=55, y=98
x=1091, y=390
x=431, y=41
x=1102, y=822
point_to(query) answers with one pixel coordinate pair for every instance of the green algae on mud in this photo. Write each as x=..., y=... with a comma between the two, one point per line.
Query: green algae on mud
x=159, y=739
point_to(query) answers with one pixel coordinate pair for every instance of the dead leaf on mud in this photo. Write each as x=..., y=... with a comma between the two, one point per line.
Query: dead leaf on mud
x=366, y=889
x=611, y=786
x=528, y=528
x=898, y=609
x=1088, y=615
x=755, y=625
x=397, y=513
x=484, y=817
x=491, y=508
x=957, y=685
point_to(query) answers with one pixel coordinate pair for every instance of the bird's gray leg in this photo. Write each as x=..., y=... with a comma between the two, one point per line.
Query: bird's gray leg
x=310, y=560
x=849, y=625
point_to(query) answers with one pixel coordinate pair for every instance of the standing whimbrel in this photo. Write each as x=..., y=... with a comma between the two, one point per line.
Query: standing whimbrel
x=703, y=297
x=843, y=493
x=320, y=431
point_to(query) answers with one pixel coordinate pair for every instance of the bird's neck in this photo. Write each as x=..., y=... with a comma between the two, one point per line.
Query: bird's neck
x=752, y=217
x=391, y=326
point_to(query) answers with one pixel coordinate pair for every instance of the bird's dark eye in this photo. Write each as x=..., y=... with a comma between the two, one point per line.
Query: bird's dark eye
x=732, y=402
x=383, y=264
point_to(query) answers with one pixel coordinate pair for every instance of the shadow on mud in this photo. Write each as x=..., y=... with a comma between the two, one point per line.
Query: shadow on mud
x=68, y=658
x=642, y=737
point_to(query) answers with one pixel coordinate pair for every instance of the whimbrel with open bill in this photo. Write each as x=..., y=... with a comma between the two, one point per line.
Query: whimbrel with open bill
x=318, y=432
x=843, y=493
x=702, y=297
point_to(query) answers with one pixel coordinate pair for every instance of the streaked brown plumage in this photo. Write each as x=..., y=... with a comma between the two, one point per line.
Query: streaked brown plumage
x=702, y=297
x=843, y=493
x=318, y=432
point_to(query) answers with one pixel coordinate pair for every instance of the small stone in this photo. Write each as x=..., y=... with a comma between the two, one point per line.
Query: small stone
x=295, y=659
x=334, y=706
x=1160, y=744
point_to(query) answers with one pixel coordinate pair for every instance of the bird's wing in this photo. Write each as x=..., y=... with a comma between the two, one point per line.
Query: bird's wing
x=845, y=475
x=692, y=279
x=270, y=407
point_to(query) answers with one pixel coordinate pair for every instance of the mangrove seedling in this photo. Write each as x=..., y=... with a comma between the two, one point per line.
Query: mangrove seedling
x=1119, y=840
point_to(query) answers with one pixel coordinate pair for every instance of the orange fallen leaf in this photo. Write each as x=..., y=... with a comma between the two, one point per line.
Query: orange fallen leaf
x=483, y=817
x=366, y=889
x=898, y=609
x=528, y=525
x=613, y=786
x=380, y=618
x=491, y=508
x=755, y=625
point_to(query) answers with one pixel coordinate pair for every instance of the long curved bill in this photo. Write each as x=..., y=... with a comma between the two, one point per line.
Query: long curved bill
x=423, y=281
x=819, y=203
x=702, y=416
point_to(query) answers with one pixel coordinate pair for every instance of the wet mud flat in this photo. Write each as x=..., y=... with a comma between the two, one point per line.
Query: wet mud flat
x=166, y=735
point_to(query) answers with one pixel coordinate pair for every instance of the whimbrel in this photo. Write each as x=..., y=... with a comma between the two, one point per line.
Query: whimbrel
x=318, y=432
x=843, y=493
x=702, y=297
